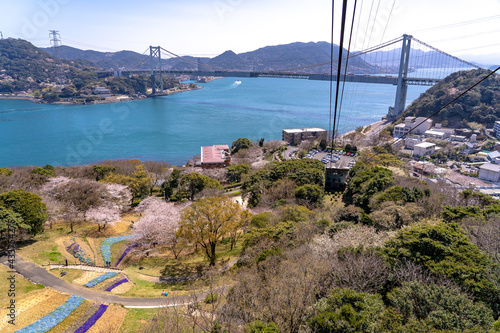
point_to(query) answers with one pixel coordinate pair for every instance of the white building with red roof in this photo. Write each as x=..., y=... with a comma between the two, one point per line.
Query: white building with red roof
x=215, y=156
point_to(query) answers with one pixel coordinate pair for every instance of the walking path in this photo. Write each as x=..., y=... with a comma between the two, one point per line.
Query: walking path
x=39, y=275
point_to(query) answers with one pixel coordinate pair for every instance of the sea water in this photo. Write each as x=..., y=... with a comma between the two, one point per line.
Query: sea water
x=173, y=128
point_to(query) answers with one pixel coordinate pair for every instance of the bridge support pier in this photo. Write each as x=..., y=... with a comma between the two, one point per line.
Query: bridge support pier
x=156, y=75
x=402, y=86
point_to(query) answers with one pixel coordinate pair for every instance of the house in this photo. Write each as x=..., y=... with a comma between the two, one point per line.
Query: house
x=215, y=157
x=297, y=135
x=416, y=125
x=489, y=172
x=104, y=92
x=424, y=148
x=410, y=142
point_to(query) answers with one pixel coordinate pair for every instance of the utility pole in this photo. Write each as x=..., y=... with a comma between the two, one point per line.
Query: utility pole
x=56, y=42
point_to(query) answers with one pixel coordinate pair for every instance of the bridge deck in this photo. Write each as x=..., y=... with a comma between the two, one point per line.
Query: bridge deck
x=310, y=76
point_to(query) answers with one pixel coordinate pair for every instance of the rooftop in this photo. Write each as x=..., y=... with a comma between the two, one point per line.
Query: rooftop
x=425, y=145
x=300, y=130
x=490, y=167
x=213, y=154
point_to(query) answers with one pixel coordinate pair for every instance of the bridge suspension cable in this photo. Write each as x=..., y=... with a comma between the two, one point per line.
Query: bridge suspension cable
x=447, y=54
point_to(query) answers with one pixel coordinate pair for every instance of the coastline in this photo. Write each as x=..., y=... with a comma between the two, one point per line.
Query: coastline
x=117, y=99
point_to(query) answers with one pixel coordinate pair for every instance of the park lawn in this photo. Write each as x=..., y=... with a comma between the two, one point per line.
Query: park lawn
x=188, y=263
x=116, y=251
x=136, y=319
x=71, y=274
x=22, y=286
x=45, y=246
x=149, y=289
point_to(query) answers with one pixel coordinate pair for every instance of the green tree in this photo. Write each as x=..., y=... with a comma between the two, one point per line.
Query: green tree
x=101, y=171
x=235, y=172
x=444, y=250
x=364, y=183
x=47, y=171
x=193, y=183
x=171, y=184
x=261, y=327
x=10, y=222
x=5, y=171
x=208, y=220
x=29, y=206
x=345, y=310
x=241, y=143
x=441, y=308
x=310, y=195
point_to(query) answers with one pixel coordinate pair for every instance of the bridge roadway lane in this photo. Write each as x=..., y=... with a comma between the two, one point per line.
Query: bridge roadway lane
x=39, y=275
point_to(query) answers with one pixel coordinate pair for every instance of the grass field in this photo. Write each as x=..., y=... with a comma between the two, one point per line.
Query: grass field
x=137, y=319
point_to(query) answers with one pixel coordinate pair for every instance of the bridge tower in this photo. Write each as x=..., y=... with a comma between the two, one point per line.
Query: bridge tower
x=156, y=75
x=402, y=86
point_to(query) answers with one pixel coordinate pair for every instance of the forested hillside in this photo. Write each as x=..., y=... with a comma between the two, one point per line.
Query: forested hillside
x=481, y=104
x=24, y=68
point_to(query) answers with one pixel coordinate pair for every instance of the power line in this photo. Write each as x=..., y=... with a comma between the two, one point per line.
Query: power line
x=479, y=20
x=339, y=67
x=448, y=104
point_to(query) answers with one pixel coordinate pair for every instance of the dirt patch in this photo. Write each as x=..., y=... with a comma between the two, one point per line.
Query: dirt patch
x=22, y=305
x=110, y=321
x=50, y=301
x=86, y=277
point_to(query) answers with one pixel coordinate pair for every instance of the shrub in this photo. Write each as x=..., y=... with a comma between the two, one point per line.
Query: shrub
x=211, y=298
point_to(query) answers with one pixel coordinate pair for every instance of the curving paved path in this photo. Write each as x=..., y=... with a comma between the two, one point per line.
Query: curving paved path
x=39, y=275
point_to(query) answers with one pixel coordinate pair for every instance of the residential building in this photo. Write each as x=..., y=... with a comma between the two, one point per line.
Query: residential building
x=104, y=92
x=496, y=129
x=458, y=138
x=410, y=142
x=489, y=172
x=297, y=135
x=435, y=134
x=447, y=131
x=416, y=125
x=215, y=157
x=424, y=148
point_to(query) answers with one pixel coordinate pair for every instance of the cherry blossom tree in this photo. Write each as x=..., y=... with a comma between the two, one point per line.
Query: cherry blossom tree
x=103, y=215
x=159, y=224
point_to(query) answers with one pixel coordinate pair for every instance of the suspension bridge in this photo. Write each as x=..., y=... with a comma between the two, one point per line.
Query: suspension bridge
x=401, y=62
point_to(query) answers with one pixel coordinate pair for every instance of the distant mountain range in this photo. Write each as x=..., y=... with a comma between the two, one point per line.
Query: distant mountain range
x=297, y=57
x=292, y=56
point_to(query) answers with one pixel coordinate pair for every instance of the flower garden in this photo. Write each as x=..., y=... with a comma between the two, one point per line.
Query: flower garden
x=79, y=253
x=106, y=246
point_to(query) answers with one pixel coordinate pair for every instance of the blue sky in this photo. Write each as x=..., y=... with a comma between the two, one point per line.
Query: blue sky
x=470, y=29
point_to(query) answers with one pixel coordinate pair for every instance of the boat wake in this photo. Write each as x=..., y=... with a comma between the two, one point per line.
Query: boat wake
x=235, y=84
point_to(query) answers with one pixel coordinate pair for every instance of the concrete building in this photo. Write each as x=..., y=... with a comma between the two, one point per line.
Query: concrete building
x=424, y=148
x=418, y=126
x=297, y=135
x=104, y=92
x=435, y=134
x=410, y=142
x=496, y=129
x=335, y=177
x=215, y=157
x=489, y=172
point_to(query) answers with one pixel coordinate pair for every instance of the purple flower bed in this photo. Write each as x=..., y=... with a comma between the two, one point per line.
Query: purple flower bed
x=127, y=250
x=75, y=249
x=92, y=320
x=69, y=247
x=116, y=284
